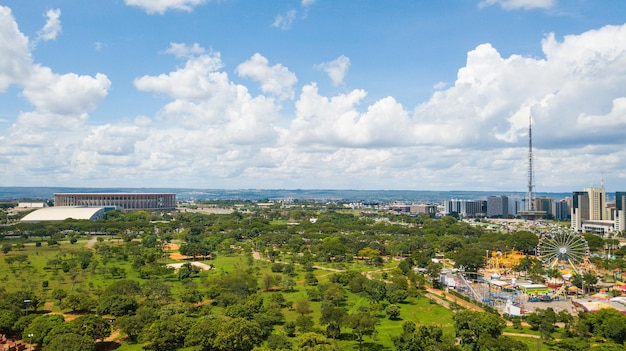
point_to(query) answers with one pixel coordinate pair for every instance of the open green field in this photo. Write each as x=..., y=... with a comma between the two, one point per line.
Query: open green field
x=41, y=270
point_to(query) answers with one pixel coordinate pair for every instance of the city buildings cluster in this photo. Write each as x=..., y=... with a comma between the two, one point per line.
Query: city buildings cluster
x=588, y=211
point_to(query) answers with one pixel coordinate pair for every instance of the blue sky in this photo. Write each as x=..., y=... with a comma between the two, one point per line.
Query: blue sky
x=419, y=95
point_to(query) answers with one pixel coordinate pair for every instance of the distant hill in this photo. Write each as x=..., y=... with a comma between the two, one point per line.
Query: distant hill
x=46, y=193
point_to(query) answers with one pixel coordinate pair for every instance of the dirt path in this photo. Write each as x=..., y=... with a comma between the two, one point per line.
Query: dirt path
x=522, y=335
x=439, y=295
x=91, y=242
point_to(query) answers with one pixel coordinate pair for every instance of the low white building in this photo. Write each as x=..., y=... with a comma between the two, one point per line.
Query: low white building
x=61, y=213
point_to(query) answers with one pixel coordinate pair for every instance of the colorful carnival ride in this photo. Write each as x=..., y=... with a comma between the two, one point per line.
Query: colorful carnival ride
x=565, y=250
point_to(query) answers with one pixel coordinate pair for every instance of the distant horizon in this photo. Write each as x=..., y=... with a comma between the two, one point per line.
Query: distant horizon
x=46, y=192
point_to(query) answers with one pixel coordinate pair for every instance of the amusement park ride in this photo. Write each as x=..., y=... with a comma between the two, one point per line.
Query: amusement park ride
x=563, y=249
x=566, y=250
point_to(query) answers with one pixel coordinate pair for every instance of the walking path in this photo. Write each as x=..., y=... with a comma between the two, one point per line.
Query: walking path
x=91, y=242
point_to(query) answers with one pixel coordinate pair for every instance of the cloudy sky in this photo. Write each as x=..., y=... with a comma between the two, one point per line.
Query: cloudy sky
x=368, y=94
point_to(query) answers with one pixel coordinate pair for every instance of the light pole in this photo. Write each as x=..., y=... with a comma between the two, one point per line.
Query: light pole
x=30, y=342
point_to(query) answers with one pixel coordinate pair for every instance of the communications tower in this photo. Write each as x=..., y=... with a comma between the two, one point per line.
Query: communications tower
x=530, y=213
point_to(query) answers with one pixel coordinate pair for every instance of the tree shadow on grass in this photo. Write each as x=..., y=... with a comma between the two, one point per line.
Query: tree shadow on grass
x=107, y=346
x=370, y=346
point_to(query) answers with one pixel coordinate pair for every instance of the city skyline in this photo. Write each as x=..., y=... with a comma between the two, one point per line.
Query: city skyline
x=313, y=94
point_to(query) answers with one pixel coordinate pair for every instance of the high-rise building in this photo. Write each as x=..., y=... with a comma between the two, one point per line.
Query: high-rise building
x=562, y=210
x=498, y=206
x=591, y=212
x=544, y=204
x=580, y=209
x=620, y=211
x=465, y=208
x=597, y=203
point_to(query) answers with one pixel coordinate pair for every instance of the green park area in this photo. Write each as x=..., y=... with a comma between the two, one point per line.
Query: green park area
x=262, y=279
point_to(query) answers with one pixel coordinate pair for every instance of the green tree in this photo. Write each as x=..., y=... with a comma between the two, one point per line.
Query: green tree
x=238, y=334
x=304, y=323
x=42, y=325
x=92, y=326
x=523, y=241
x=362, y=324
x=472, y=259
x=334, y=318
x=302, y=307
x=203, y=333
x=117, y=305
x=167, y=334
x=471, y=327
x=70, y=342
x=279, y=342
x=393, y=312
x=424, y=338
x=375, y=290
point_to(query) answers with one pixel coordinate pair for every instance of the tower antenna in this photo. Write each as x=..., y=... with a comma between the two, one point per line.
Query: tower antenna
x=531, y=213
x=530, y=196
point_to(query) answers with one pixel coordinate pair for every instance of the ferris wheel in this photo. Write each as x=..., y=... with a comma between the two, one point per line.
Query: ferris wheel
x=562, y=248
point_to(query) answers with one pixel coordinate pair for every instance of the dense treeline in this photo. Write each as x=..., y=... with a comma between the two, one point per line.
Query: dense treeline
x=122, y=282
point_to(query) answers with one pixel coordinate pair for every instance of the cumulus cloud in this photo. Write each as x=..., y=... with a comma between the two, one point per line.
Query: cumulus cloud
x=213, y=132
x=52, y=28
x=336, y=69
x=162, y=6
x=207, y=102
x=66, y=94
x=276, y=80
x=199, y=78
x=519, y=4
x=60, y=100
x=337, y=121
x=15, y=57
x=41, y=142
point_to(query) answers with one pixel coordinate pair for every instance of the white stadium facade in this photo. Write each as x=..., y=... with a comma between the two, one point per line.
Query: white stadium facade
x=126, y=201
x=92, y=206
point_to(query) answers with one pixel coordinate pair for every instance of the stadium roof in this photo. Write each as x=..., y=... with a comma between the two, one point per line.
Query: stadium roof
x=60, y=213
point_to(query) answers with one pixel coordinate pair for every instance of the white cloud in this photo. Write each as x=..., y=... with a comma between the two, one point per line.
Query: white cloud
x=336, y=69
x=212, y=132
x=276, y=80
x=52, y=28
x=337, y=122
x=162, y=6
x=519, y=4
x=65, y=94
x=15, y=57
x=307, y=2
x=199, y=78
x=182, y=50
x=42, y=142
x=207, y=102
x=285, y=21
x=60, y=101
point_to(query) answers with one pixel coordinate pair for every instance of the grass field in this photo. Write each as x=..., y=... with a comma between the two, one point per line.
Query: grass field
x=41, y=265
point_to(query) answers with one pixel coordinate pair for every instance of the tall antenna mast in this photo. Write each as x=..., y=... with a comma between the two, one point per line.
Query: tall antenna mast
x=530, y=197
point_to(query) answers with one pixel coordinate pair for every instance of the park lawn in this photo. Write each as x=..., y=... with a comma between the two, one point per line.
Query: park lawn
x=419, y=310
x=532, y=343
x=279, y=222
x=524, y=330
